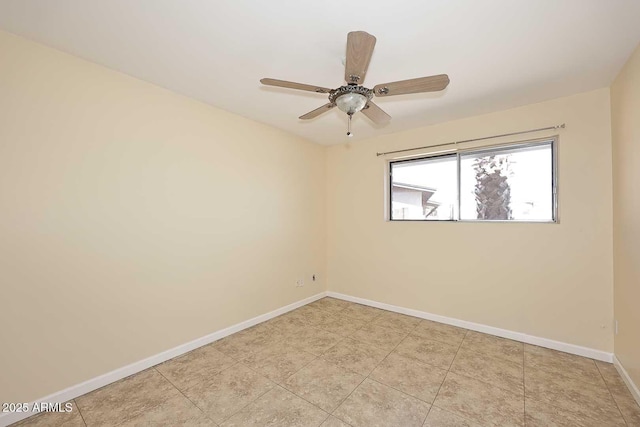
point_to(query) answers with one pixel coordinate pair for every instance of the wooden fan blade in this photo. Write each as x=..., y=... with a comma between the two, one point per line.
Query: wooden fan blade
x=292, y=85
x=317, y=111
x=422, y=84
x=359, y=50
x=376, y=114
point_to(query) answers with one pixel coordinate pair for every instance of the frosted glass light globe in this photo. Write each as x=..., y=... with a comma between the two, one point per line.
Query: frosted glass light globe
x=351, y=103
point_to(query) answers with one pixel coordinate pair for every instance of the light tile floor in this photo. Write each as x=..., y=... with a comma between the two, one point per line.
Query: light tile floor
x=334, y=363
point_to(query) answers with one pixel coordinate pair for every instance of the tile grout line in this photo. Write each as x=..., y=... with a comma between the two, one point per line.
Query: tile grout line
x=284, y=388
x=356, y=387
x=385, y=358
x=573, y=378
x=376, y=367
x=458, y=350
x=329, y=311
x=240, y=362
x=249, y=403
x=236, y=362
x=606, y=384
x=459, y=416
x=448, y=370
x=80, y=412
x=438, y=339
x=310, y=403
x=580, y=380
x=372, y=321
x=582, y=415
x=245, y=406
x=342, y=339
x=430, y=339
x=483, y=381
x=129, y=418
x=507, y=390
x=185, y=396
x=399, y=355
x=475, y=379
x=553, y=405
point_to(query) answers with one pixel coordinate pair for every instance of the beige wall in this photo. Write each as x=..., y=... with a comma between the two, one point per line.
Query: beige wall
x=548, y=280
x=625, y=128
x=133, y=220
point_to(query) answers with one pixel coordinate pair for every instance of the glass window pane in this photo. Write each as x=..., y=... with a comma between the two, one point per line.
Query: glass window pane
x=507, y=184
x=424, y=189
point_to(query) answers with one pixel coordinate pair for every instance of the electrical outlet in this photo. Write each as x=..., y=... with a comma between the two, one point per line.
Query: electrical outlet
x=299, y=283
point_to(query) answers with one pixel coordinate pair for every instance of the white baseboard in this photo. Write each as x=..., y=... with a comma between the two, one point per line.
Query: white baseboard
x=516, y=336
x=633, y=388
x=118, y=374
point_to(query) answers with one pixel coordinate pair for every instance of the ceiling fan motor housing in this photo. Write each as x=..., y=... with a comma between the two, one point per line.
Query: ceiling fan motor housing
x=350, y=98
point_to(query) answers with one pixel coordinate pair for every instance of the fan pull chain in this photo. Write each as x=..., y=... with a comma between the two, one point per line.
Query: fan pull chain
x=349, y=134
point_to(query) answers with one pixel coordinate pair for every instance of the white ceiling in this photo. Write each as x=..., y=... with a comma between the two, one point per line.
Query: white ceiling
x=498, y=53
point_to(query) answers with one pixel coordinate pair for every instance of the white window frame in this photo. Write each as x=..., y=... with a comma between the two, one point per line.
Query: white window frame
x=458, y=153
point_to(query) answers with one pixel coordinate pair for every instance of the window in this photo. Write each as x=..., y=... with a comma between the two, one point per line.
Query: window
x=508, y=183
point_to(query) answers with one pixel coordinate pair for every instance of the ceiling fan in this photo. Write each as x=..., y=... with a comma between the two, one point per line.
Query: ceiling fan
x=354, y=97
